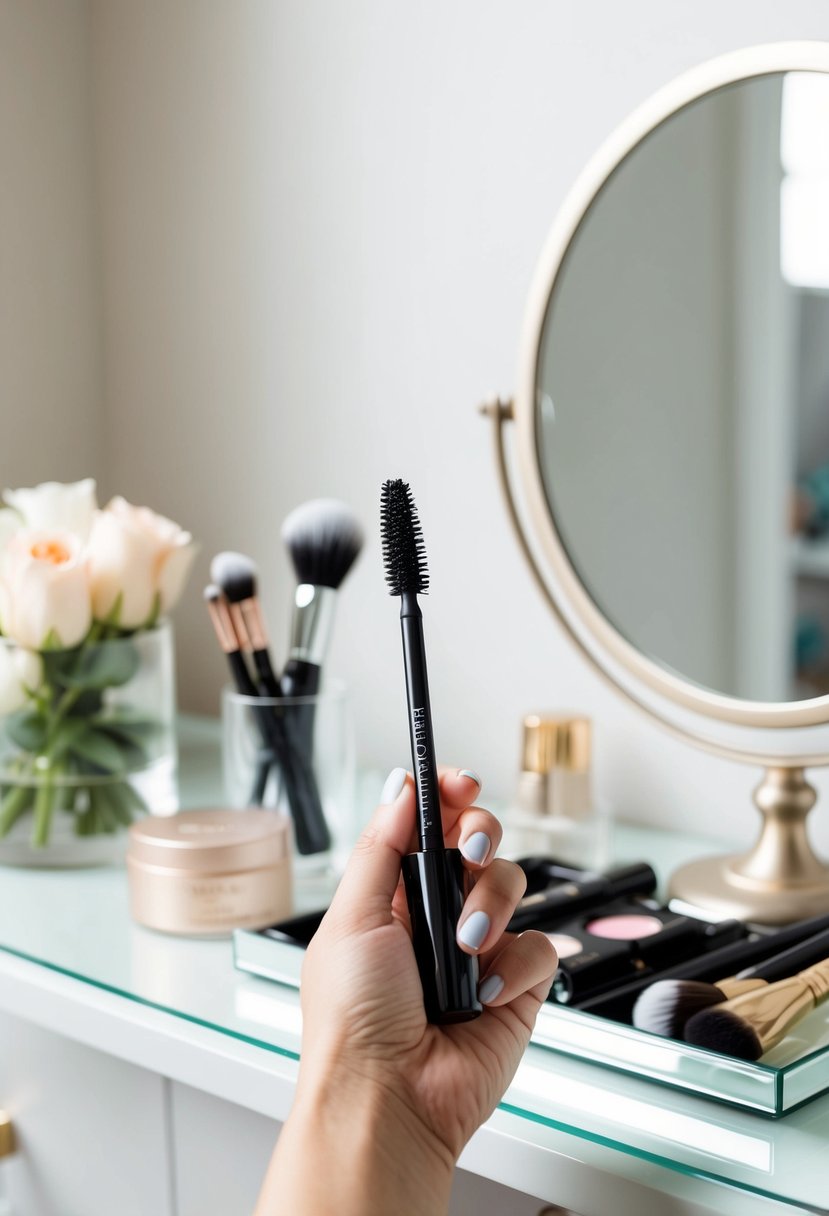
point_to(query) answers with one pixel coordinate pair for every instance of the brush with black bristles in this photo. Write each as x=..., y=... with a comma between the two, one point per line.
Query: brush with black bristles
x=434, y=878
x=323, y=538
x=749, y=1025
x=666, y=1006
x=236, y=575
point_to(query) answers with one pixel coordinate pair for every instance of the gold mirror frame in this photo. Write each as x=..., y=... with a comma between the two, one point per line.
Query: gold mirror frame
x=780, y=879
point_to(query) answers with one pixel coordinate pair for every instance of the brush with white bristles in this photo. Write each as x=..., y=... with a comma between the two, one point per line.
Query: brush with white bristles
x=323, y=538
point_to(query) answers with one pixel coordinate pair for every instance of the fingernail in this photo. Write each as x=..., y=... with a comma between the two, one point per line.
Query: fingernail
x=476, y=847
x=467, y=772
x=490, y=988
x=394, y=784
x=474, y=930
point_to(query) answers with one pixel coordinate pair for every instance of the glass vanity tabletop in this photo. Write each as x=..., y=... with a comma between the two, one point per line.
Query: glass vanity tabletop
x=77, y=923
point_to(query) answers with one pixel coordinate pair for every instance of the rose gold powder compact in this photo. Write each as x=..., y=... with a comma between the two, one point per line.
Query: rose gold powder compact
x=205, y=873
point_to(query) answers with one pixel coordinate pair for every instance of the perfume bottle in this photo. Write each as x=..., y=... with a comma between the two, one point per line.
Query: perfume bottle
x=553, y=811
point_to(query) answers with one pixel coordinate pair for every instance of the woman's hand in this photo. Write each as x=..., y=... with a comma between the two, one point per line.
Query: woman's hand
x=405, y=1095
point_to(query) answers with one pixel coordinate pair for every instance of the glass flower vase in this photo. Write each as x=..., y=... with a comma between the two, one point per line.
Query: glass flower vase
x=87, y=743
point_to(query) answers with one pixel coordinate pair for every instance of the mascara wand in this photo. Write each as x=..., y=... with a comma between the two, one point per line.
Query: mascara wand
x=435, y=878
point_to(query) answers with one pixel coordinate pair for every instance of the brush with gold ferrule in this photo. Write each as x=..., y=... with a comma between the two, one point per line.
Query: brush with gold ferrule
x=749, y=1025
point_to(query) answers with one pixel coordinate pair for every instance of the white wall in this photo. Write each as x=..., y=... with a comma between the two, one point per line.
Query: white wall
x=50, y=389
x=319, y=225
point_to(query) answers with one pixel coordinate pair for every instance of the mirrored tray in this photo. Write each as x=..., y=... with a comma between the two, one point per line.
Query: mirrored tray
x=793, y=1073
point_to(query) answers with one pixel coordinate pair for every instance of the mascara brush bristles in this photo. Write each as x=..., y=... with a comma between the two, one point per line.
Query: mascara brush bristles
x=404, y=553
x=324, y=538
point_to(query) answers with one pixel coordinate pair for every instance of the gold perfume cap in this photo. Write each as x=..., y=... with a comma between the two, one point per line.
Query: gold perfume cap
x=555, y=741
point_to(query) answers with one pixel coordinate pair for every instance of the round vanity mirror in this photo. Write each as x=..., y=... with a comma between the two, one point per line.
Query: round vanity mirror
x=673, y=420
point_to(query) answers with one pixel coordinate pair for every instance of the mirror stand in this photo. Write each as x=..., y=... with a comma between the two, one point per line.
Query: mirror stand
x=780, y=879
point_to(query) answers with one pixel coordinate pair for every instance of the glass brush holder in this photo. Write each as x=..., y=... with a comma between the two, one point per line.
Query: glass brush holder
x=295, y=755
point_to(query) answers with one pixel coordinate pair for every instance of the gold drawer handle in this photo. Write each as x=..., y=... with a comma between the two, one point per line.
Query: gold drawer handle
x=7, y=1144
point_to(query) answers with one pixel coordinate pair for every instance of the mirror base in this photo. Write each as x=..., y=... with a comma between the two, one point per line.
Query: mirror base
x=780, y=880
x=714, y=884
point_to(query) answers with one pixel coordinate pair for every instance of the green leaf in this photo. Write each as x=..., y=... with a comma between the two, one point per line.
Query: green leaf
x=64, y=735
x=100, y=801
x=28, y=729
x=104, y=665
x=97, y=748
x=119, y=801
x=133, y=749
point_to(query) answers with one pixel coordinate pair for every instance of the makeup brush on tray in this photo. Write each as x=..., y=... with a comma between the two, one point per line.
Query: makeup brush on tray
x=668, y=1005
x=434, y=877
x=749, y=1025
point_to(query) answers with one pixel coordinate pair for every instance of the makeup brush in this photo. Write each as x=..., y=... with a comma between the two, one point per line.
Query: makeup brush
x=668, y=1005
x=708, y=966
x=310, y=829
x=323, y=538
x=223, y=625
x=434, y=877
x=236, y=575
x=749, y=1025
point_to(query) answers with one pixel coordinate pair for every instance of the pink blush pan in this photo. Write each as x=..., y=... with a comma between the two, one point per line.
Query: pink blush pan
x=624, y=928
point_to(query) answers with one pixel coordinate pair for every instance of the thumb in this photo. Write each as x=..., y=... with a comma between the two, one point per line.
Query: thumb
x=370, y=880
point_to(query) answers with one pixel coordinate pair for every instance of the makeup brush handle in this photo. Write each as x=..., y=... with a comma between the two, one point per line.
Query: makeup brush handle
x=302, y=679
x=770, y=1012
x=268, y=683
x=805, y=954
x=310, y=829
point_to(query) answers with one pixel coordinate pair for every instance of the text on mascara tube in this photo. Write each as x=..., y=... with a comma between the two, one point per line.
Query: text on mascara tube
x=422, y=761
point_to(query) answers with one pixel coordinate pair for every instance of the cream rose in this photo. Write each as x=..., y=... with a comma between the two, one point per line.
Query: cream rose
x=20, y=670
x=55, y=505
x=45, y=600
x=138, y=564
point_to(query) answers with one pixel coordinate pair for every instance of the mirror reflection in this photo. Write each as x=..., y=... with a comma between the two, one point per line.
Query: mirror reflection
x=683, y=392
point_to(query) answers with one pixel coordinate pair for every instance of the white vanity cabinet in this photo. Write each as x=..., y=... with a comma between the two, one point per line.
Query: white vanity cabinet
x=100, y=1137
x=226, y=1180
x=91, y=1130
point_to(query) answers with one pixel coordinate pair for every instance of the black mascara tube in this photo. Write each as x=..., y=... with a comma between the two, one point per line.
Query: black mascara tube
x=435, y=878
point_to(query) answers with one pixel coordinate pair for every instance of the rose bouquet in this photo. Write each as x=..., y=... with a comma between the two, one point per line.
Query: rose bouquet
x=82, y=592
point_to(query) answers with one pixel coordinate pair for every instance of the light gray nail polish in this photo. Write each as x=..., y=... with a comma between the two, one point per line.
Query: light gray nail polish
x=490, y=988
x=394, y=784
x=473, y=930
x=467, y=772
x=476, y=847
